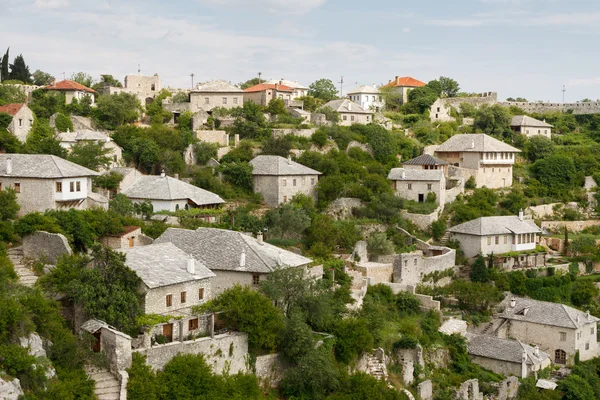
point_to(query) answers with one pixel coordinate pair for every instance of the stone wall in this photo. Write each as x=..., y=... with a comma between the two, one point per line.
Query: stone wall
x=578, y=108
x=410, y=268
x=363, y=146
x=425, y=390
x=422, y=221
x=341, y=209
x=572, y=226
x=225, y=352
x=307, y=133
x=428, y=303
x=117, y=347
x=46, y=246
x=219, y=137
x=270, y=368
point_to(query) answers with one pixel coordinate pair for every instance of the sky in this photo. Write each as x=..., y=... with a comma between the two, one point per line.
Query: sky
x=518, y=48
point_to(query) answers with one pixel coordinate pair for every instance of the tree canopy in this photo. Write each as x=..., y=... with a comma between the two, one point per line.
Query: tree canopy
x=323, y=89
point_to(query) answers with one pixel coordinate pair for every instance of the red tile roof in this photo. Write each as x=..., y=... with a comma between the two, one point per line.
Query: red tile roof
x=268, y=86
x=407, y=81
x=69, y=85
x=11, y=109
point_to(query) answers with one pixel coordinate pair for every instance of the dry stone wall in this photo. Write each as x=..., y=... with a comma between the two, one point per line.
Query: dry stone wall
x=46, y=246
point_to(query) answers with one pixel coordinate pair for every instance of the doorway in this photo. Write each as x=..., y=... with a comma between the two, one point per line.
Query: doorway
x=96, y=346
x=421, y=197
x=168, y=332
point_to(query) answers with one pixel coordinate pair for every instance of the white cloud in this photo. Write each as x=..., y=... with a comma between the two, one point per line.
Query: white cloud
x=288, y=7
x=51, y=3
x=520, y=18
x=582, y=82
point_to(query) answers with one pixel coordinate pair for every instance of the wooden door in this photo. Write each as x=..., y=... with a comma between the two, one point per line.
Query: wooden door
x=168, y=332
x=131, y=239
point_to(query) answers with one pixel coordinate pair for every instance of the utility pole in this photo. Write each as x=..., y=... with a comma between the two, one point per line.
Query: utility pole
x=259, y=75
x=139, y=69
x=342, y=87
x=564, y=89
x=192, y=75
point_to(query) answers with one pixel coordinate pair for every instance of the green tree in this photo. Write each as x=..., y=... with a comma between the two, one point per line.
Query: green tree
x=277, y=107
x=4, y=74
x=379, y=245
x=45, y=103
x=83, y=79
x=314, y=377
x=9, y=207
x=8, y=142
x=575, y=387
x=116, y=109
x=142, y=383
x=277, y=146
x=584, y=244
x=109, y=181
x=121, y=205
x=250, y=122
x=438, y=229
x=42, y=140
x=287, y=221
x=323, y=89
x=479, y=271
x=381, y=140
x=106, y=80
x=90, y=154
x=158, y=115
x=288, y=287
x=239, y=175
x=420, y=100
x=330, y=114
x=556, y=174
x=11, y=94
x=41, y=78
x=296, y=338
x=205, y=151
x=250, y=83
x=583, y=293
x=444, y=86
x=352, y=337
x=19, y=71
x=63, y=123
x=248, y=311
x=311, y=104
x=514, y=201
x=538, y=147
x=493, y=120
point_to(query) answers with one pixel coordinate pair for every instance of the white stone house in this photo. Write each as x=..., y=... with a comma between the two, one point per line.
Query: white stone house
x=368, y=97
x=496, y=235
x=169, y=194
x=173, y=281
x=505, y=356
x=488, y=160
x=279, y=179
x=263, y=93
x=350, y=112
x=22, y=119
x=70, y=139
x=426, y=162
x=402, y=85
x=299, y=90
x=234, y=257
x=72, y=90
x=559, y=330
x=209, y=95
x=530, y=126
x=45, y=182
x=416, y=184
x=145, y=88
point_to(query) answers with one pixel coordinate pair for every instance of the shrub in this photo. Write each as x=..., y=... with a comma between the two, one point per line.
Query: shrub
x=470, y=183
x=63, y=123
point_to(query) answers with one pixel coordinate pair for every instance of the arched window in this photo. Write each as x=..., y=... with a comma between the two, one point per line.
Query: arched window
x=560, y=357
x=153, y=87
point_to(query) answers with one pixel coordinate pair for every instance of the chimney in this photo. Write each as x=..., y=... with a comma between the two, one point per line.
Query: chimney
x=588, y=315
x=289, y=159
x=521, y=214
x=243, y=258
x=191, y=265
x=350, y=106
x=397, y=79
x=403, y=174
x=577, y=318
x=525, y=311
x=162, y=173
x=524, y=364
x=259, y=237
x=536, y=351
x=8, y=166
x=176, y=176
x=513, y=302
x=473, y=143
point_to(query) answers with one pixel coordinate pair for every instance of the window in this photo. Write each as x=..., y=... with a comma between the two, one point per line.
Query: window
x=497, y=240
x=78, y=186
x=587, y=346
x=560, y=356
x=578, y=335
x=429, y=186
x=0, y=186
x=410, y=186
x=20, y=122
x=281, y=97
x=193, y=324
x=345, y=117
x=303, y=181
x=255, y=279
x=72, y=186
x=285, y=199
x=58, y=187
x=312, y=181
x=235, y=100
x=284, y=181
x=200, y=293
x=352, y=118
x=152, y=87
x=17, y=188
x=224, y=100
x=505, y=239
x=169, y=300
x=563, y=336
x=406, y=263
x=293, y=182
x=415, y=261
x=373, y=98
x=183, y=296
x=206, y=100
x=489, y=240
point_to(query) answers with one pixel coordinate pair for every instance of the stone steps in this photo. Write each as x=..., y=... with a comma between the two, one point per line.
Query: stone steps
x=106, y=386
x=25, y=274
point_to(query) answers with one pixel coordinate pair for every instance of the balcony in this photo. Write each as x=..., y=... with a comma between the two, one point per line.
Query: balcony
x=497, y=161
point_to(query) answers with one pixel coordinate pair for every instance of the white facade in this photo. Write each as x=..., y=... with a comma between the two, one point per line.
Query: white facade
x=368, y=98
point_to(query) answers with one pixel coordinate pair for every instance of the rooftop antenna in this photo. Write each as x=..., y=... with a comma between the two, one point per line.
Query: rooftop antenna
x=564, y=89
x=342, y=87
x=192, y=75
x=259, y=75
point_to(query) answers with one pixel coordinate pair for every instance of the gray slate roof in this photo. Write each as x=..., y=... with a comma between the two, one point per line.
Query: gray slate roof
x=221, y=249
x=474, y=142
x=156, y=187
x=346, y=106
x=503, y=225
x=277, y=165
x=364, y=89
x=83, y=134
x=416, y=174
x=288, y=83
x=524, y=120
x=503, y=349
x=546, y=313
x=42, y=166
x=218, y=86
x=163, y=264
x=425, y=159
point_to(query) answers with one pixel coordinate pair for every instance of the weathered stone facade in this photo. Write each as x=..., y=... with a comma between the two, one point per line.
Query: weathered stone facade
x=410, y=268
x=219, y=137
x=281, y=189
x=21, y=122
x=46, y=246
x=155, y=299
x=307, y=133
x=145, y=88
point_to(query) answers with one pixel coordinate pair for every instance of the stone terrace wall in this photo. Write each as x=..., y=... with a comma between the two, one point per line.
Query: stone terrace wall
x=216, y=352
x=578, y=108
x=48, y=246
x=270, y=369
x=422, y=221
x=572, y=226
x=219, y=137
x=296, y=132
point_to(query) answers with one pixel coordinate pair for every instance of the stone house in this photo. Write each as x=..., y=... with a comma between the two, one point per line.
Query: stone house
x=169, y=194
x=505, y=356
x=416, y=184
x=72, y=90
x=299, y=90
x=207, y=96
x=368, y=97
x=131, y=236
x=279, y=179
x=235, y=258
x=22, y=119
x=70, y=139
x=145, y=88
x=488, y=160
x=410, y=268
x=350, y=112
x=559, y=330
x=426, y=162
x=530, y=126
x=402, y=85
x=263, y=93
x=115, y=344
x=45, y=182
x=498, y=235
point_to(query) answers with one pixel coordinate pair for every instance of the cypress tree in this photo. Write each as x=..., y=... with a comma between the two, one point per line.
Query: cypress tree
x=4, y=66
x=479, y=272
x=19, y=70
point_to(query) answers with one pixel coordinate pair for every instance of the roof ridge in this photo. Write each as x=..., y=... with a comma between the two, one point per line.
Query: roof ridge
x=564, y=307
x=254, y=251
